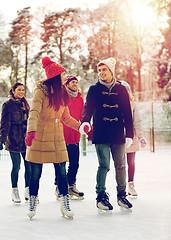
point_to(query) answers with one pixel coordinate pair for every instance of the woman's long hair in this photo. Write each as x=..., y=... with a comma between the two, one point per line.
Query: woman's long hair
x=24, y=98
x=57, y=93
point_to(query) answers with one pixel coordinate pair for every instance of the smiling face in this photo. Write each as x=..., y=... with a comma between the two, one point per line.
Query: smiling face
x=104, y=73
x=73, y=85
x=19, y=92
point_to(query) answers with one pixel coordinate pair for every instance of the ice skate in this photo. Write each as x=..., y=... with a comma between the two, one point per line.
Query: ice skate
x=57, y=193
x=26, y=194
x=131, y=190
x=15, y=195
x=103, y=204
x=123, y=202
x=73, y=192
x=32, y=206
x=65, y=208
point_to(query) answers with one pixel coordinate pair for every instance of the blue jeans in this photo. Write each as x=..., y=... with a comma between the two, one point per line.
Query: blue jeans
x=36, y=172
x=16, y=163
x=118, y=154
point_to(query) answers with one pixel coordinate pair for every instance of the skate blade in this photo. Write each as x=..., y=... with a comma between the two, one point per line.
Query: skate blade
x=125, y=210
x=16, y=202
x=132, y=196
x=104, y=212
x=67, y=217
x=74, y=197
x=30, y=217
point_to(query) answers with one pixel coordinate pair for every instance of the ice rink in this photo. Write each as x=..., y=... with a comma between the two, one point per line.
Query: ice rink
x=150, y=218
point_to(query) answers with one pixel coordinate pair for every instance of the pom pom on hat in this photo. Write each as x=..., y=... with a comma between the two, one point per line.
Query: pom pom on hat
x=110, y=63
x=46, y=61
x=52, y=69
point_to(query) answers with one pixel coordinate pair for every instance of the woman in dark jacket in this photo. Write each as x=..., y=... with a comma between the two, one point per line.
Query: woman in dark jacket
x=12, y=133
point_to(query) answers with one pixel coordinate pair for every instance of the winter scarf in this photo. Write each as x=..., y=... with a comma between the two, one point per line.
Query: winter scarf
x=72, y=93
x=108, y=85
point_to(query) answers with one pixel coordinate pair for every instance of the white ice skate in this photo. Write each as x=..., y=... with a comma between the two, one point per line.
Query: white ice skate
x=131, y=190
x=65, y=208
x=75, y=193
x=26, y=194
x=32, y=207
x=15, y=195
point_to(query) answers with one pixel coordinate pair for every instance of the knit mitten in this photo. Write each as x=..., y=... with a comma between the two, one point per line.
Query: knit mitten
x=29, y=138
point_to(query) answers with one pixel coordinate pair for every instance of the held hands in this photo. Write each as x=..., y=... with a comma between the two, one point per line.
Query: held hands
x=128, y=142
x=85, y=128
x=29, y=138
x=143, y=142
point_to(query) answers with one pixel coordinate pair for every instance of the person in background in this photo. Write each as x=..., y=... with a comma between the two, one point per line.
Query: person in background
x=72, y=137
x=137, y=140
x=12, y=134
x=45, y=138
x=108, y=103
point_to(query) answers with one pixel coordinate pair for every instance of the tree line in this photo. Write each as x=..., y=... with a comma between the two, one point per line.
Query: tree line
x=78, y=39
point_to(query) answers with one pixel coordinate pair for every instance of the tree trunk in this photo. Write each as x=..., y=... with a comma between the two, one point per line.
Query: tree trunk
x=26, y=65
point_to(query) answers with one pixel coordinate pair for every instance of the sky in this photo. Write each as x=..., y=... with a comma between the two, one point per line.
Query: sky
x=11, y=12
x=8, y=10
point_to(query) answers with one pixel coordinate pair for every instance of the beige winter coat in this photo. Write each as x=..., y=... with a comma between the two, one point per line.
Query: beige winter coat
x=138, y=133
x=50, y=146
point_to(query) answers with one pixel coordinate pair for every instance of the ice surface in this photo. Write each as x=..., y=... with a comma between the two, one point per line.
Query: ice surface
x=149, y=220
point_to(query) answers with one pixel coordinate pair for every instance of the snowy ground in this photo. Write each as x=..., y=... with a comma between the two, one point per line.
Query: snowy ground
x=149, y=220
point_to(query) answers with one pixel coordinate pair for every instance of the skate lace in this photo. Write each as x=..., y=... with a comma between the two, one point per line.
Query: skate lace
x=124, y=200
x=66, y=202
x=33, y=203
x=106, y=196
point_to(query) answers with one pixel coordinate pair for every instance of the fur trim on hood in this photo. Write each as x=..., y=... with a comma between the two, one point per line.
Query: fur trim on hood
x=42, y=86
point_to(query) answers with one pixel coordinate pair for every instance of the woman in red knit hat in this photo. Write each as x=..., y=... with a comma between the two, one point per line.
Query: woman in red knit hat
x=45, y=138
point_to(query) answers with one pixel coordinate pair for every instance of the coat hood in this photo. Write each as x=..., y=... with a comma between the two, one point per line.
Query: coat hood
x=42, y=86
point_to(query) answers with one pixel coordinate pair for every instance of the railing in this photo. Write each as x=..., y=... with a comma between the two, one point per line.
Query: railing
x=157, y=140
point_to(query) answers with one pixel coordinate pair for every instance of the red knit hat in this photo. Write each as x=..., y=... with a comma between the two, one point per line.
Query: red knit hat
x=69, y=78
x=52, y=69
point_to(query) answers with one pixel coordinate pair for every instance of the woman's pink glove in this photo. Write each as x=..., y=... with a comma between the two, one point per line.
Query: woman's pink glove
x=29, y=138
x=143, y=142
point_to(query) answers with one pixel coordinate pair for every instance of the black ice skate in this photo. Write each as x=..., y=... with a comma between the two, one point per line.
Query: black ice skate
x=103, y=204
x=73, y=192
x=123, y=202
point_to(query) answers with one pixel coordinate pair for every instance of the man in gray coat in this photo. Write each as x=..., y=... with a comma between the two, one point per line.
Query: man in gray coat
x=108, y=103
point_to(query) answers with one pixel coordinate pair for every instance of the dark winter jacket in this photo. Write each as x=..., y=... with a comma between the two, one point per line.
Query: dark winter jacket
x=111, y=112
x=75, y=108
x=13, y=125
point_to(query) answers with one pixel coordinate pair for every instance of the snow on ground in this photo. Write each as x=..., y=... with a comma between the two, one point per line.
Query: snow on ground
x=149, y=220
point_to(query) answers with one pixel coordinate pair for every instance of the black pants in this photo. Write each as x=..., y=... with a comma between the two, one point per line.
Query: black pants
x=73, y=155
